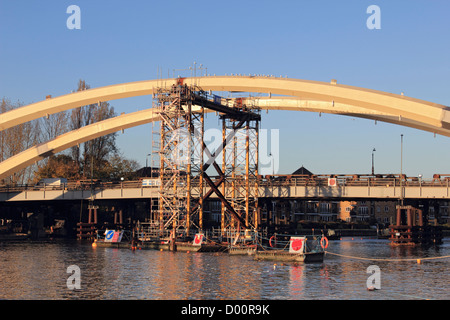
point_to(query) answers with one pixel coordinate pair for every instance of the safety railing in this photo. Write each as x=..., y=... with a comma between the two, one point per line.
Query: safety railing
x=263, y=181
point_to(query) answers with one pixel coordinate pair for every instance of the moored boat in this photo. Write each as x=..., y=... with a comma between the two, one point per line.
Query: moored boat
x=297, y=249
x=203, y=247
x=113, y=239
x=198, y=244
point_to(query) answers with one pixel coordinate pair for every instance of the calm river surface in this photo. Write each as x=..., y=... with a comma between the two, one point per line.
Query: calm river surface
x=38, y=270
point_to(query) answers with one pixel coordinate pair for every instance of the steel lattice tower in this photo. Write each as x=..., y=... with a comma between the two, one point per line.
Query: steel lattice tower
x=185, y=159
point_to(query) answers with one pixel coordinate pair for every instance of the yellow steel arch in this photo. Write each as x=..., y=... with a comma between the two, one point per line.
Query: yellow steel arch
x=292, y=104
x=70, y=139
x=400, y=106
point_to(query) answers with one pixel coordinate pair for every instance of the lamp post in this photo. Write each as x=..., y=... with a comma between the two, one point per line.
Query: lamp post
x=401, y=169
x=373, y=169
x=273, y=167
x=146, y=163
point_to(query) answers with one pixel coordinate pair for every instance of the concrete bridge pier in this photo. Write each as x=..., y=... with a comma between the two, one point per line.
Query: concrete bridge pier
x=412, y=229
x=92, y=214
x=118, y=217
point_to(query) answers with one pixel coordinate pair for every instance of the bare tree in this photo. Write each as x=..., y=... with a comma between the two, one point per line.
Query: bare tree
x=21, y=137
x=97, y=150
x=17, y=139
x=54, y=125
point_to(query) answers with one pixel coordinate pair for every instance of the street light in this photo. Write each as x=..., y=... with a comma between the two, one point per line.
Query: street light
x=373, y=170
x=401, y=154
x=273, y=168
x=146, y=162
x=401, y=168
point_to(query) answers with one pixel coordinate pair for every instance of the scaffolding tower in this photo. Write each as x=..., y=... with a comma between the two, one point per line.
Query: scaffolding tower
x=240, y=168
x=185, y=159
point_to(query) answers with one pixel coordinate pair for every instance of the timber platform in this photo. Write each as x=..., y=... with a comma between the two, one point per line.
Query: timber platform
x=242, y=250
x=285, y=256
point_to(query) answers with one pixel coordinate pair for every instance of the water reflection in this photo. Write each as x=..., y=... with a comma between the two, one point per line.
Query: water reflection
x=37, y=270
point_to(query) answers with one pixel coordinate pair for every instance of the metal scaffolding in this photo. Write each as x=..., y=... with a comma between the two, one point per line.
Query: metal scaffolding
x=185, y=159
x=240, y=168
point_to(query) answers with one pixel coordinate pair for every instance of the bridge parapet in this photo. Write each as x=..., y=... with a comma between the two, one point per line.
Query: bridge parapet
x=288, y=186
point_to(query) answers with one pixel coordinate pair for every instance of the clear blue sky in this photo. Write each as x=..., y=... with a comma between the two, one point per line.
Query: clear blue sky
x=121, y=41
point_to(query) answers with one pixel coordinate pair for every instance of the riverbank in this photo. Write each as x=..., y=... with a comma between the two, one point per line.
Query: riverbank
x=340, y=232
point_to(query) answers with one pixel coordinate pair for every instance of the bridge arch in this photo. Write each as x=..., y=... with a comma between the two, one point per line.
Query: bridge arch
x=70, y=139
x=403, y=107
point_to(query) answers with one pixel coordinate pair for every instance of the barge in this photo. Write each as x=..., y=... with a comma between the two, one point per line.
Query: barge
x=113, y=239
x=123, y=239
x=297, y=249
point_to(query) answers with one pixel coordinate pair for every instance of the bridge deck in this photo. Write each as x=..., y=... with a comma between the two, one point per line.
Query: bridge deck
x=346, y=187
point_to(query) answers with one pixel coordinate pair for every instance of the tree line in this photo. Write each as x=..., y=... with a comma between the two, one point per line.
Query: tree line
x=99, y=158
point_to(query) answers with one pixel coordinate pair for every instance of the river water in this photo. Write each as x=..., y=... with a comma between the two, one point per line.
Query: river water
x=39, y=270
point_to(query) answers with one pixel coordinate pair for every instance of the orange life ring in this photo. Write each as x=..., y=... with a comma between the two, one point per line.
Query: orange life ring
x=324, y=246
x=270, y=241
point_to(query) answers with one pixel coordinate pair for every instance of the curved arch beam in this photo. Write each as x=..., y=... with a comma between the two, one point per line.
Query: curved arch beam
x=292, y=104
x=70, y=139
x=397, y=105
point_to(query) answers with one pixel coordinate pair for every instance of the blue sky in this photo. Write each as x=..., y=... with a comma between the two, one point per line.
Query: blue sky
x=121, y=41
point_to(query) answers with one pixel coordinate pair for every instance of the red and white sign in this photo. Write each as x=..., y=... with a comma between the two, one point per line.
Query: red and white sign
x=117, y=236
x=198, y=239
x=113, y=236
x=297, y=244
x=332, y=182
